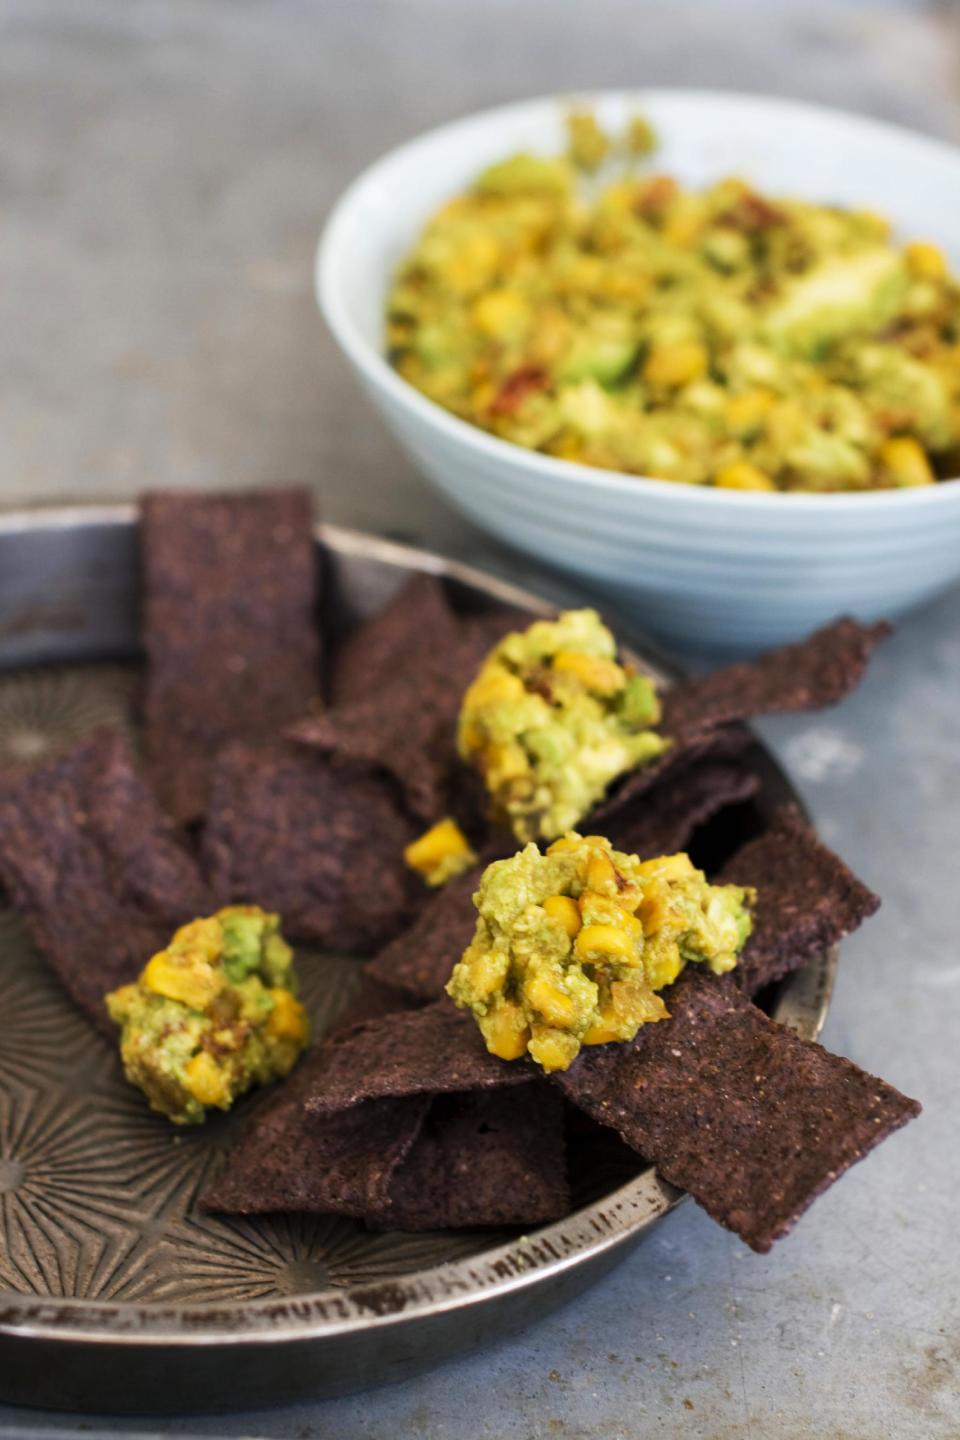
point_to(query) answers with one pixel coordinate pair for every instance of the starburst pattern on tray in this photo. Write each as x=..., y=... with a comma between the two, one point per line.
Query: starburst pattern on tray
x=45, y=711
x=219, y=1259
x=42, y=1041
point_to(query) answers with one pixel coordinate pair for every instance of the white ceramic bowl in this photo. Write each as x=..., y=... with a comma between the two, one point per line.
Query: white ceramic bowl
x=698, y=566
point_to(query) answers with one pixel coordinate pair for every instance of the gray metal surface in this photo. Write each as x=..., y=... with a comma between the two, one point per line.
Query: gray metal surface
x=105, y=1263
x=165, y=169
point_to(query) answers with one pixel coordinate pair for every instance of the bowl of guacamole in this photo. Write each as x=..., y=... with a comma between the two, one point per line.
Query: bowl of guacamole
x=702, y=349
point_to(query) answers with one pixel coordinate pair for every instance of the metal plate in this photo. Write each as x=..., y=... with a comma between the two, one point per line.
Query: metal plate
x=115, y=1294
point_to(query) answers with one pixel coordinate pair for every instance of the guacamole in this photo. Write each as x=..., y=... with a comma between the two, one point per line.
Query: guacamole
x=211, y=1015
x=441, y=853
x=713, y=337
x=572, y=946
x=552, y=719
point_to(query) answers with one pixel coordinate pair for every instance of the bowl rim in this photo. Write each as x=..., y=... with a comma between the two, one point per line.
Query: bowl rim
x=375, y=368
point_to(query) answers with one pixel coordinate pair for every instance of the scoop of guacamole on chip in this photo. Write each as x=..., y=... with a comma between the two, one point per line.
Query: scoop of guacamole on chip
x=212, y=1015
x=571, y=947
x=553, y=719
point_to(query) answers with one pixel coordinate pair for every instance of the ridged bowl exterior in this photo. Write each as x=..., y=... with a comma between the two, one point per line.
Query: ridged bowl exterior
x=698, y=566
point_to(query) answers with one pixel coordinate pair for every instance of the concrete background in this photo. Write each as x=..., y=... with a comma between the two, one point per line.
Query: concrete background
x=164, y=169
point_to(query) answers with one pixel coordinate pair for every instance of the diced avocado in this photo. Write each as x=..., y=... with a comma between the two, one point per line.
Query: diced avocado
x=604, y=358
x=242, y=944
x=901, y=386
x=843, y=296
x=531, y=174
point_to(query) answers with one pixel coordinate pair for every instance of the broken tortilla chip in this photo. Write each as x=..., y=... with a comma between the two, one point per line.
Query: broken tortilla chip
x=321, y=845
x=403, y=636
x=809, y=675
x=95, y=868
x=807, y=899
x=424, y=658
x=664, y=821
x=483, y=1159
x=432, y=1051
x=229, y=605
x=418, y=963
x=287, y=1160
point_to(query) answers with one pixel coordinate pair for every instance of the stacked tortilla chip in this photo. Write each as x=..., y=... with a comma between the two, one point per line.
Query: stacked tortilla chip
x=403, y=1119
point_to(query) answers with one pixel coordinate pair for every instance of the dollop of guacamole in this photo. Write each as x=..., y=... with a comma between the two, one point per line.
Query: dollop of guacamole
x=553, y=719
x=211, y=1015
x=572, y=946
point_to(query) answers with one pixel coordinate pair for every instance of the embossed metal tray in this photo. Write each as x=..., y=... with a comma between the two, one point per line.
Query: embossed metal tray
x=115, y=1293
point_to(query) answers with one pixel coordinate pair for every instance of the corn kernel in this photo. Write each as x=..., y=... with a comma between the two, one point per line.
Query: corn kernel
x=667, y=867
x=505, y=762
x=683, y=228
x=905, y=461
x=288, y=1019
x=605, y=940
x=564, y=910
x=741, y=475
x=601, y=874
x=567, y=446
x=500, y=314
x=627, y=285
x=440, y=853
x=491, y=687
x=926, y=261
x=205, y=935
x=505, y=1030
x=566, y=842
x=473, y=264
x=192, y=984
x=676, y=364
x=205, y=1080
x=746, y=411
x=118, y=1000
x=486, y=971
x=603, y=677
x=654, y=909
x=556, y=1007
x=553, y=1049
x=605, y=1028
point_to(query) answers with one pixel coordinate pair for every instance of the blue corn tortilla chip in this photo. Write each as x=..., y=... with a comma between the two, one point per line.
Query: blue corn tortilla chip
x=403, y=637
x=807, y=899
x=700, y=715
x=483, y=1159
x=818, y=671
x=423, y=658
x=751, y=1120
x=418, y=963
x=665, y=820
x=229, y=626
x=95, y=869
x=369, y=1001
x=321, y=845
x=285, y=1159
x=432, y=1051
